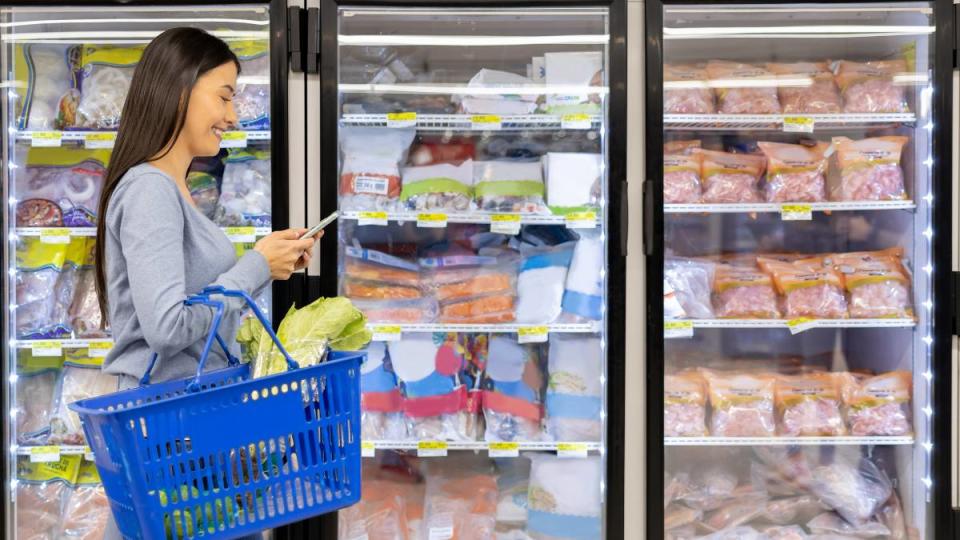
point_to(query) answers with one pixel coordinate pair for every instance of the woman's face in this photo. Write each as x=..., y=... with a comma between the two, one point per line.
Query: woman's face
x=210, y=111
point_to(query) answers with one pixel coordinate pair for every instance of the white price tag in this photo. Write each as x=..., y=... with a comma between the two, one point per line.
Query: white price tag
x=44, y=454
x=505, y=224
x=798, y=124
x=677, y=329
x=503, y=449
x=99, y=349
x=431, y=449
x=432, y=221
x=581, y=220
x=486, y=122
x=241, y=235
x=441, y=533
x=572, y=450
x=234, y=139
x=54, y=236
x=372, y=218
x=87, y=453
x=46, y=138
x=385, y=332
x=532, y=334
x=796, y=212
x=401, y=119
x=575, y=121
x=99, y=140
x=801, y=324
x=367, y=449
x=47, y=348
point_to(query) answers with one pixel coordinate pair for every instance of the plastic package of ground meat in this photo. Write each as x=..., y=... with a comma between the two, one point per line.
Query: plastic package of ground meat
x=370, y=171
x=869, y=169
x=806, y=87
x=869, y=87
x=681, y=172
x=686, y=91
x=809, y=405
x=743, y=292
x=691, y=281
x=472, y=289
x=795, y=173
x=684, y=405
x=730, y=178
x=877, y=283
x=852, y=485
x=809, y=288
x=878, y=405
x=372, y=275
x=743, y=88
x=741, y=404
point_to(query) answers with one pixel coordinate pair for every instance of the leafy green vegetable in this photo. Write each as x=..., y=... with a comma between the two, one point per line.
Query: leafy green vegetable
x=354, y=337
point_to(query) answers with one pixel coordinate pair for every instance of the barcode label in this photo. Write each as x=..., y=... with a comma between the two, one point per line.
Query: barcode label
x=374, y=185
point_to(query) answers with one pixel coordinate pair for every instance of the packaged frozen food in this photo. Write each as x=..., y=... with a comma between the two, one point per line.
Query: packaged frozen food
x=573, y=180
x=564, y=498
x=809, y=405
x=831, y=523
x=373, y=275
x=734, y=514
x=730, y=178
x=381, y=416
x=744, y=292
x=789, y=510
x=370, y=170
x=205, y=192
x=686, y=91
x=876, y=282
x=574, y=396
x=735, y=533
x=380, y=517
x=513, y=391
x=509, y=186
x=76, y=383
x=472, y=288
x=891, y=516
x=791, y=532
x=45, y=285
x=432, y=152
x=46, y=99
x=566, y=69
x=60, y=186
x=404, y=311
x=743, y=88
x=870, y=87
x=84, y=313
x=677, y=516
x=869, y=169
x=252, y=99
x=806, y=87
x=513, y=483
x=878, y=405
x=691, y=281
x=444, y=186
x=106, y=72
x=87, y=509
x=583, y=293
x=684, y=405
x=709, y=488
x=34, y=399
x=852, y=485
x=40, y=494
x=681, y=172
x=795, y=173
x=809, y=288
x=459, y=504
x=245, y=191
x=742, y=404
x=541, y=282
x=511, y=102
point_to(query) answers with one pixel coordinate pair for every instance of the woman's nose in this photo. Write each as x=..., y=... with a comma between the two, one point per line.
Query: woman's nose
x=231, y=114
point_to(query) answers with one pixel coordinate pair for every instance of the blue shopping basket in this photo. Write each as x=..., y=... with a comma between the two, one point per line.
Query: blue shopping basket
x=221, y=455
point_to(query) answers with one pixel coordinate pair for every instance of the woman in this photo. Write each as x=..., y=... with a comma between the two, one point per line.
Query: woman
x=154, y=247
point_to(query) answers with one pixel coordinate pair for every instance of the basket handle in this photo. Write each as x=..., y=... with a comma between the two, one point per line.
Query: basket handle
x=203, y=298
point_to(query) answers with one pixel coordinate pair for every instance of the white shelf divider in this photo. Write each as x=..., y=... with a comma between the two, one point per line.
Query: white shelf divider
x=464, y=122
x=767, y=122
x=777, y=207
x=787, y=441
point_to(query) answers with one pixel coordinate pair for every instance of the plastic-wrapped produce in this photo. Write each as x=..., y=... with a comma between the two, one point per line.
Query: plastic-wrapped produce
x=806, y=87
x=878, y=405
x=369, y=274
x=472, y=289
x=564, y=498
x=513, y=391
x=76, y=383
x=681, y=172
x=381, y=416
x=48, y=101
x=574, y=394
x=252, y=100
x=869, y=169
x=877, y=283
x=809, y=288
x=795, y=173
x=744, y=292
x=869, y=87
x=87, y=509
x=370, y=170
x=60, y=187
x=853, y=486
x=444, y=186
x=730, y=178
x=741, y=404
x=245, y=193
x=509, y=186
x=106, y=72
x=810, y=405
x=540, y=284
x=831, y=523
x=743, y=88
x=35, y=393
x=691, y=281
x=684, y=405
x=41, y=490
x=685, y=90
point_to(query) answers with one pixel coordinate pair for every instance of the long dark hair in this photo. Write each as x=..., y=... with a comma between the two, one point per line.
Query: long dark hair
x=154, y=114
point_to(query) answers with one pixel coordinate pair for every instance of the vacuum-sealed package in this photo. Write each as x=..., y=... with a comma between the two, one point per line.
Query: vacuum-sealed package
x=564, y=498
x=460, y=501
x=40, y=495
x=686, y=91
x=742, y=404
x=381, y=416
x=378, y=516
x=869, y=169
x=513, y=391
x=106, y=72
x=48, y=97
x=566, y=69
x=730, y=178
x=45, y=285
x=245, y=190
x=87, y=509
x=809, y=288
x=744, y=292
x=84, y=315
x=573, y=180
x=878, y=405
x=795, y=173
x=444, y=186
x=402, y=310
x=370, y=166
x=574, y=396
x=252, y=99
x=832, y=525
x=743, y=88
x=35, y=391
x=870, y=87
x=810, y=405
x=433, y=152
x=372, y=275
x=511, y=102
x=509, y=186
x=472, y=289
x=541, y=282
x=681, y=173
x=684, y=405
x=877, y=284
x=691, y=282
x=806, y=87
x=76, y=383
x=205, y=192
x=852, y=485
x=583, y=294
x=60, y=187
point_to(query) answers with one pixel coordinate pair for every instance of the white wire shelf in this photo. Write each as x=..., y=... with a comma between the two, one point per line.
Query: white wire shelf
x=467, y=217
x=706, y=122
x=65, y=343
x=784, y=323
x=471, y=122
x=63, y=450
x=105, y=139
x=480, y=445
x=778, y=207
x=787, y=441
x=383, y=331
x=54, y=232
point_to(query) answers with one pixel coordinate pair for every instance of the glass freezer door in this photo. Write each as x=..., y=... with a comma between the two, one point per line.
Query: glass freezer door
x=795, y=196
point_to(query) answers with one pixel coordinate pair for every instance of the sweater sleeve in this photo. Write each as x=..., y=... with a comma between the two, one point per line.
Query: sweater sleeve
x=151, y=228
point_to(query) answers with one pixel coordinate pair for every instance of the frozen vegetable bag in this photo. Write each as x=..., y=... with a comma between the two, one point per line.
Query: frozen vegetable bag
x=46, y=74
x=106, y=72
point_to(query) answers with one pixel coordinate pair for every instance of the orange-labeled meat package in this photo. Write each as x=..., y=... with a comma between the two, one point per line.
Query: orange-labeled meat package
x=685, y=90
x=459, y=505
x=684, y=405
x=877, y=283
x=730, y=178
x=741, y=404
x=878, y=405
x=744, y=292
x=472, y=289
x=809, y=288
x=373, y=275
x=743, y=88
x=370, y=175
x=869, y=87
x=681, y=172
x=809, y=405
x=806, y=87
x=795, y=173
x=869, y=169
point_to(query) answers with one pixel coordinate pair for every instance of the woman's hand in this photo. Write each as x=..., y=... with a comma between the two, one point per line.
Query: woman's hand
x=285, y=253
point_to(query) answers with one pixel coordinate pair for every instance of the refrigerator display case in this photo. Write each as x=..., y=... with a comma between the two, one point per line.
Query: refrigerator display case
x=476, y=156
x=798, y=217
x=65, y=74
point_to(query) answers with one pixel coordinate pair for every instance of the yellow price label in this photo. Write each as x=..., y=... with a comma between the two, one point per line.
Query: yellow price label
x=505, y=218
x=431, y=449
x=575, y=121
x=677, y=329
x=367, y=449
x=233, y=139
x=386, y=332
x=105, y=139
x=241, y=235
x=800, y=324
x=796, y=212
x=44, y=454
x=55, y=236
x=372, y=218
x=532, y=334
x=46, y=348
x=46, y=138
x=571, y=449
x=581, y=220
x=401, y=119
x=503, y=449
x=432, y=220
x=505, y=223
x=798, y=124
x=486, y=121
x=99, y=349
x=373, y=215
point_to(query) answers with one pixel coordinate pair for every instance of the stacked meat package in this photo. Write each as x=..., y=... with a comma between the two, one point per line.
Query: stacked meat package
x=61, y=500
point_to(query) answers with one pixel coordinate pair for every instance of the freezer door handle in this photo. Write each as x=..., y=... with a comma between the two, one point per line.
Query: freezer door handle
x=955, y=302
x=648, y=211
x=295, y=37
x=624, y=218
x=313, y=40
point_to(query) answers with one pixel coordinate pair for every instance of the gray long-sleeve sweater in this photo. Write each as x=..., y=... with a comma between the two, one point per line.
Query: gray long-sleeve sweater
x=160, y=249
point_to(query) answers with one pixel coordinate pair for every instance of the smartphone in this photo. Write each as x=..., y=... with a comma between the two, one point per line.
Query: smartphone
x=320, y=226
